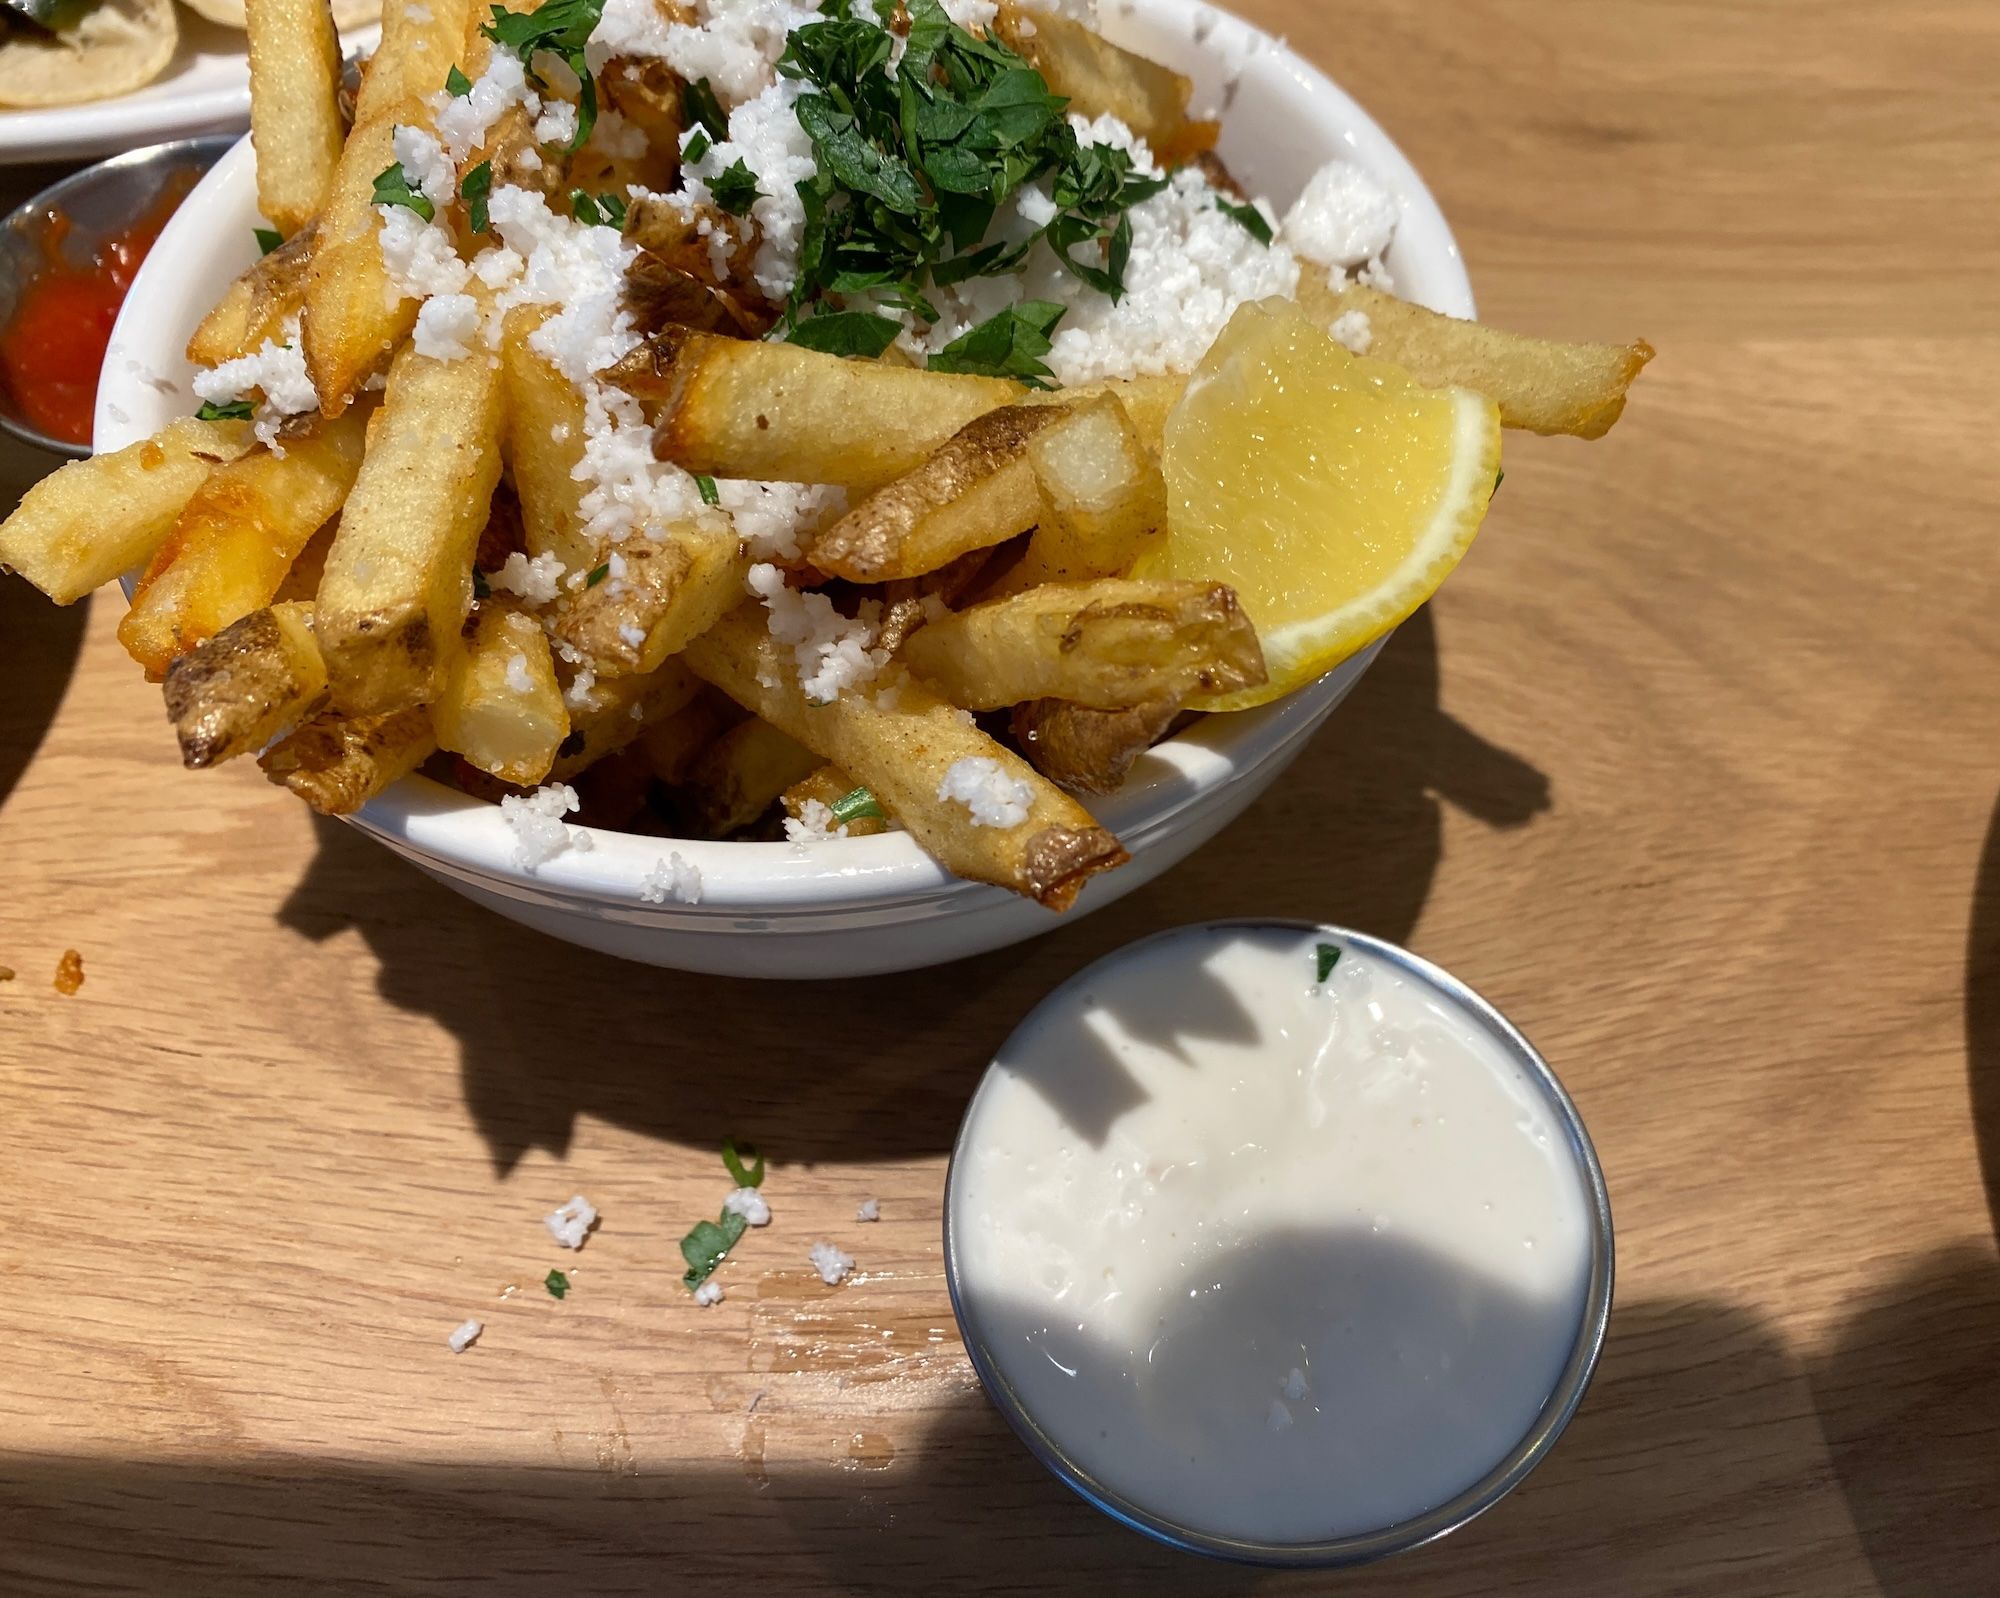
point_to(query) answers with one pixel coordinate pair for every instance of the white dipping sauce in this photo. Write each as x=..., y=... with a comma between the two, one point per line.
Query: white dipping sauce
x=1271, y=1260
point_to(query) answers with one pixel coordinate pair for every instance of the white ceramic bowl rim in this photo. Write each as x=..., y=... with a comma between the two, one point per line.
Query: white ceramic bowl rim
x=145, y=385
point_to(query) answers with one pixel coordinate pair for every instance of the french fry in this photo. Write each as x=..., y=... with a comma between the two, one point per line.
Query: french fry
x=96, y=519
x=976, y=491
x=1097, y=76
x=1103, y=498
x=294, y=106
x=615, y=713
x=1148, y=401
x=1542, y=385
x=1085, y=750
x=778, y=413
x=741, y=774
x=256, y=679
x=675, y=741
x=398, y=582
x=544, y=442
x=1110, y=644
x=851, y=805
x=338, y=763
x=499, y=704
x=658, y=592
x=232, y=545
x=901, y=750
x=257, y=305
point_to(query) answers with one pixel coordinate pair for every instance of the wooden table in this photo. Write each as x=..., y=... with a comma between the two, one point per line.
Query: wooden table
x=1692, y=769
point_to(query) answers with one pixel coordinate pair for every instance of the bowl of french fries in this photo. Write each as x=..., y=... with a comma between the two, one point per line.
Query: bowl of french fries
x=715, y=522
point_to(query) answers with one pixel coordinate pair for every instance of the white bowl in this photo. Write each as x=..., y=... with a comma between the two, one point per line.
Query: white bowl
x=863, y=905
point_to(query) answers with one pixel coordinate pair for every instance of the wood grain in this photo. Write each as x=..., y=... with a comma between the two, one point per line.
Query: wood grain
x=1692, y=769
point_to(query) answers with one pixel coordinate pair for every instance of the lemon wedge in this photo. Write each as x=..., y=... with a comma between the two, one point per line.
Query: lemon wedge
x=1334, y=493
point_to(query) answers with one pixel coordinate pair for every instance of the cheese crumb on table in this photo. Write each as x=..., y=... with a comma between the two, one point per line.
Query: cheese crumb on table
x=868, y=1210
x=710, y=1292
x=750, y=1204
x=569, y=1224
x=994, y=798
x=464, y=1335
x=831, y=1263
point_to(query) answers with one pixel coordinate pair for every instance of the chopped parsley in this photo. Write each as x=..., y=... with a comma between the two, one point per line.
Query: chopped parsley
x=597, y=575
x=846, y=333
x=1248, y=215
x=268, y=239
x=602, y=210
x=856, y=804
x=705, y=486
x=1499, y=478
x=1329, y=957
x=556, y=1283
x=392, y=187
x=700, y=108
x=236, y=410
x=740, y=1174
x=563, y=28
x=913, y=167
x=735, y=188
x=708, y=1244
x=476, y=190
x=1010, y=344
x=696, y=147
x=457, y=84
x=481, y=588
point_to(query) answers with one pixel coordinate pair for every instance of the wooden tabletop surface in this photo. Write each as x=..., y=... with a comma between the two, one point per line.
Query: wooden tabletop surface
x=1692, y=769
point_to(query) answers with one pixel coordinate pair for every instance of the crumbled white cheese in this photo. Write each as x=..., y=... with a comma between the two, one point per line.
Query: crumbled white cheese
x=632, y=637
x=732, y=43
x=710, y=1292
x=764, y=134
x=464, y=1335
x=1343, y=217
x=519, y=679
x=831, y=1263
x=463, y=120
x=581, y=694
x=445, y=326
x=539, y=832
x=615, y=136
x=671, y=878
x=538, y=581
x=426, y=167
x=569, y=1224
x=971, y=14
x=813, y=824
x=556, y=124
x=749, y=1203
x=276, y=369
x=832, y=651
x=1352, y=329
x=419, y=257
x=868, y=1210
x=994, y=798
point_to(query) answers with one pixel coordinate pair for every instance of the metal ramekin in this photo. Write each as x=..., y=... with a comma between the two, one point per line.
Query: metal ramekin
x=1475, y=1500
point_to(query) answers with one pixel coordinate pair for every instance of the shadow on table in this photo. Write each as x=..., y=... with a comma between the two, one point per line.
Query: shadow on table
x=1982, y=1014
x=42, y=642
x=1696, y=1466
x=548, y=1031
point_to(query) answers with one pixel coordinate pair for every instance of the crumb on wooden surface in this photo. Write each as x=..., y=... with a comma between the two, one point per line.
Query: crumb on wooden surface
x=69, y=972
x=6, y=973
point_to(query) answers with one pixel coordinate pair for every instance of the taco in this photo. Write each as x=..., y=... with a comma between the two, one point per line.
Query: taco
x=60, y=52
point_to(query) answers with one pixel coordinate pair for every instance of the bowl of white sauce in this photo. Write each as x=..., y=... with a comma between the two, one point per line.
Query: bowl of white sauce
x=1278, y=1243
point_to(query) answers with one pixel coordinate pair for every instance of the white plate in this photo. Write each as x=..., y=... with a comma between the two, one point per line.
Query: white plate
x=205, y=89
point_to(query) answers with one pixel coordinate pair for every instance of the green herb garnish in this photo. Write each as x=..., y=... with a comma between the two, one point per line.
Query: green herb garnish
x=457, y=84
x=854, y=805
x=268, y=239
x=236, y=410
x=556, y=1283
x=700, y=107
x=735, y=188
x=563, y=28
x=481, y=588
x=1011, y=344
x=597, y=575
x=602, y=210
x=1248, y=215
x=708, y=1245
x=742, y=1176
x=705, y=486
x=1498, y=479
x=476, y=190
x=696, y=147
x=846, y=333
x=392, y=187
x=1329, y=957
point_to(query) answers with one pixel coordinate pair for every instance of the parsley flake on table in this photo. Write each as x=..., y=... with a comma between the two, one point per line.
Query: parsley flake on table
x=741, y=1175
x=557, y=1283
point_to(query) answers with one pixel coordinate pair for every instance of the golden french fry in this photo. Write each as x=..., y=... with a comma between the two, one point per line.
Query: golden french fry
x=778, y=413
x=903, y=746
x=499, y=704
x=1110, y=644
x=256, y=679
x=338, y=763
x=658, y=592
x=1542, y=385
x=544, y=442
x=256, y=307
x=848, y=803
x=231, y=547
x=96, y=519
x=976, y=491
x=1097, y=76
x=1085, y=750
x=741, y=774
x=614, y=713
x=1103, y=498
x=398, y=582
x=671, y=745
x=294, y=106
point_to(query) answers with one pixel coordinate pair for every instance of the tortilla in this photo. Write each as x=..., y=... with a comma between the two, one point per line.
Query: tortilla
x=118, y=46
x=346, y=13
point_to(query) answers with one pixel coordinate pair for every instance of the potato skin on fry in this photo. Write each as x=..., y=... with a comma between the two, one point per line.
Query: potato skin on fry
x=338, y=763
x=1086, y=750
x=257, y=305
x=257, y=678
x=675, y=583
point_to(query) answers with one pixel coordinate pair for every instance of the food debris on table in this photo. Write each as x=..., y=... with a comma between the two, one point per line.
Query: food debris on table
x=569, y=1224
x=464, y=1335
x=708, y=1243
x=557, y=1284
x=710, y=1292
x=6, y=973
x=69, y=972
x=831, y=1263
x=868, y=1210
